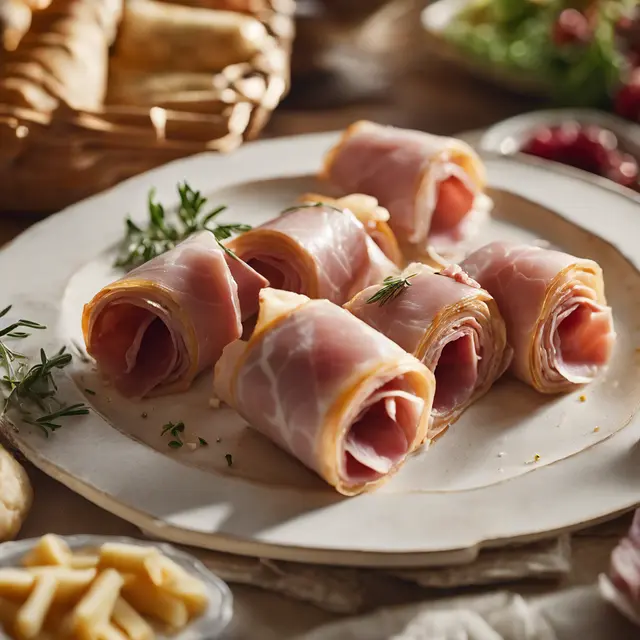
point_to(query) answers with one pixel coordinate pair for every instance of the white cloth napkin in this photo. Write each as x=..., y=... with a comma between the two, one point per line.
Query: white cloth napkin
x=575, y=614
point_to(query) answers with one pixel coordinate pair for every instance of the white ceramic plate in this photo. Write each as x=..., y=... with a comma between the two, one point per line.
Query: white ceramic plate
x=477, y=486
x=208, y=626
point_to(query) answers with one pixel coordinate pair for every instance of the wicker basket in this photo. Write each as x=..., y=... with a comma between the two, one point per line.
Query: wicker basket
x=48, y=161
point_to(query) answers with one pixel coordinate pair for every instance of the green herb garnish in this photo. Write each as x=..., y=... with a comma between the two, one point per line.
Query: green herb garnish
x=80, y=352
x=203, y=442
x=229, y=458
x=34, y=385
x=392, y=287
x=176, y=429
x=91, y=392
x=141, y=244
x=47, y=421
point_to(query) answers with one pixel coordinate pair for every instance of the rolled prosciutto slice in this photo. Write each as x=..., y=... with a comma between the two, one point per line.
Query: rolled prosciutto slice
x=342, y=398
x=555, y=310
x=622, y=586
x=155, y=329
x=317, y=250
x=429, y=184
x=373, y=217
x=449, y=323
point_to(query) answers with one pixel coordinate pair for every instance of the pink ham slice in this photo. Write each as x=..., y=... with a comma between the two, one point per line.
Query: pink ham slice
x=373, y=217
x=316, y=250
x=622, y=586
x=342, y=398
x=446, y=320
x=428, y=183
x=155, y=329
x=555, y=310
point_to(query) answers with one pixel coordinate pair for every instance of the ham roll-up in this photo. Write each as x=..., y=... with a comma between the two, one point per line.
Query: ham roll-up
x=342, y=398
x=430, y=184
x=374, y=218
x=155, y=329
x=318, y=250
x=449, y=323
x=555, y=310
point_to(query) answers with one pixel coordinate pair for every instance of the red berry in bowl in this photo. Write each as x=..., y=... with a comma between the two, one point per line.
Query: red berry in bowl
x=587, y=147
x=591, y=149
x=566, y=134
x=571, y=27
x=541, y=144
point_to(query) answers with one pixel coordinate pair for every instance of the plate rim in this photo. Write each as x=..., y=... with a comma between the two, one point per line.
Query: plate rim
x=233, y=544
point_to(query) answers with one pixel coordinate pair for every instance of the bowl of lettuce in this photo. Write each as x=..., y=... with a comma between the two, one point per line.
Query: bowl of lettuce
x=579, y=53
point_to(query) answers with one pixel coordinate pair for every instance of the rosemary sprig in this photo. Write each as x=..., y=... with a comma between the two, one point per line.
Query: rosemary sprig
x=34, y=385
x=46, y=422
x=7, y=355
x=141, y=244
x=392, y=287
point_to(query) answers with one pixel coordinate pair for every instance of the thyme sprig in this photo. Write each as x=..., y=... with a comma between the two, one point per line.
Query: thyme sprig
x=46, y=422
x=176, y=429
x=392, y=287
x=141, y=244
x=34, y=385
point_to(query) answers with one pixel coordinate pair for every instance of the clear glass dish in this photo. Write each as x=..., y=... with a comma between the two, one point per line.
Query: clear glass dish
x=206, y=627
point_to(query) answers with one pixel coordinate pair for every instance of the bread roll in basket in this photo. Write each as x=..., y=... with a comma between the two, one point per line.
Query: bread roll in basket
x=95, y=91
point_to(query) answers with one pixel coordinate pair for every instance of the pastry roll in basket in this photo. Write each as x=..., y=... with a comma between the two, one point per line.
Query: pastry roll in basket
x=342, y=398
x=63, y=58
x=556, y=313
x=449, y=323
x=155, y=329
x=430, y=184
x=162, y=36
x=243, y=6
x=318, y=250
x=15, y=20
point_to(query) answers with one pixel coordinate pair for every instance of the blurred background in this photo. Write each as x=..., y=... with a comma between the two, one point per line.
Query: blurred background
x=462, y=64
x=372, y=59
x=94, y=91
